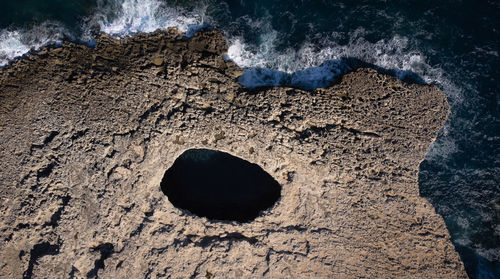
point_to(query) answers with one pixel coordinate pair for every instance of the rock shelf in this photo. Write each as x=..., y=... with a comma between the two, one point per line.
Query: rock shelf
x=86, y=135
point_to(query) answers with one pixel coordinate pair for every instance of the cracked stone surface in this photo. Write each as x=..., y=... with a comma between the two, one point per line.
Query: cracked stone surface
x=87, y=134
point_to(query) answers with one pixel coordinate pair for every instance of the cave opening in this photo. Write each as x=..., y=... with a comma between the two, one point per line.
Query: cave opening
x=218, y=185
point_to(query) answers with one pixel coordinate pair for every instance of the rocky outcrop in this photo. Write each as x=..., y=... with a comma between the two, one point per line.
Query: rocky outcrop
x=87, y=134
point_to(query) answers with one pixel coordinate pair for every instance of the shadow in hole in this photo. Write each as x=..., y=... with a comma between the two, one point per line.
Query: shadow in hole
x=217, y=185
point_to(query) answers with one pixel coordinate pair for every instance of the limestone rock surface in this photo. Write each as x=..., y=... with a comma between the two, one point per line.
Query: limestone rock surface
x=86, y=135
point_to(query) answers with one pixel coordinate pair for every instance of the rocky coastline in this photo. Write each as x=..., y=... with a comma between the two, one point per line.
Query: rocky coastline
x=86, y=135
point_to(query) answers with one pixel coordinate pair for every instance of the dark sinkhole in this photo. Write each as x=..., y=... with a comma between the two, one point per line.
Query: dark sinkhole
x=217, y=185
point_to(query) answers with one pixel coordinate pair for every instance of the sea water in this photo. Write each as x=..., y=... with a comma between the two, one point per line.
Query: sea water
x=452, y=44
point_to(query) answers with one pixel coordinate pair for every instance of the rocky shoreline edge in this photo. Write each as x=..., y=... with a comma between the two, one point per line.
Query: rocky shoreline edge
x=87, y=134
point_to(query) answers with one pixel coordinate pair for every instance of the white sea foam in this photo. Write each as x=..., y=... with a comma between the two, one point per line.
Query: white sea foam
x=15, y=43
x=11, y=46
x=125, y=17
x=117, y=17
x=313, y=67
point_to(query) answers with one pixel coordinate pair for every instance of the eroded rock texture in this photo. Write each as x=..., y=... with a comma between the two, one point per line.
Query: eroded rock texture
x=87, y=134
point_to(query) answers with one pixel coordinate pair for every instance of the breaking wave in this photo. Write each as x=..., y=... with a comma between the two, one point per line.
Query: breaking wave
x=126, y=17
x=17, y=42
x=117, y=17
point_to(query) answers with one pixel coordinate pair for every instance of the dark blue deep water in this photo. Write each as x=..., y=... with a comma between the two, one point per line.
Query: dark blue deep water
x=453, y=44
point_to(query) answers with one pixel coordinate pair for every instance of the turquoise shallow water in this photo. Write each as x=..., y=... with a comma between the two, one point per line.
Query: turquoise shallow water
x=454, y=44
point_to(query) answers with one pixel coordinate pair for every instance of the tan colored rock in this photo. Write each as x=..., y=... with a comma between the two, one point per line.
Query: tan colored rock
x=158, y=61
x=82, y=164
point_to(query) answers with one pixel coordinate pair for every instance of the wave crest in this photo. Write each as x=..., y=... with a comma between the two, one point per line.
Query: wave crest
x=16, y=43
x=126, y=17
